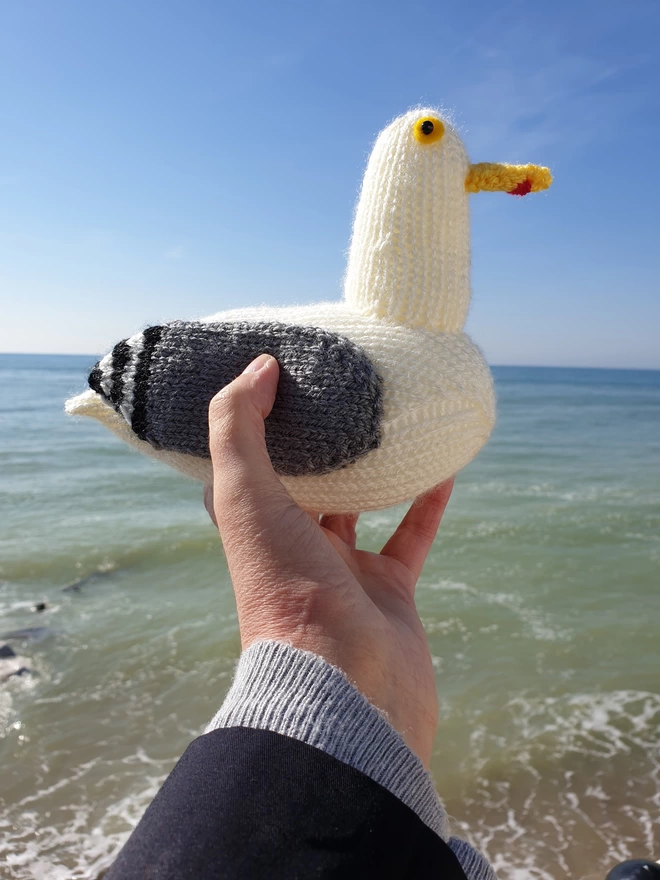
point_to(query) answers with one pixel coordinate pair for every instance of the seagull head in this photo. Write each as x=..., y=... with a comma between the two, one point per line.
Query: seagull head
x=410, y=251
x=426, y=144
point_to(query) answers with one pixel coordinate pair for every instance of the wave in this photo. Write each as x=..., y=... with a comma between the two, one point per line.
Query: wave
x=572, y=787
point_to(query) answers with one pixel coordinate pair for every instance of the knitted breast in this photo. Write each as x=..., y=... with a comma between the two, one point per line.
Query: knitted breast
x=381, y=395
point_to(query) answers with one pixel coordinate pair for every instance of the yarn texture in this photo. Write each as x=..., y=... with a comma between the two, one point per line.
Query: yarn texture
x=381, y=395
x=328, y=408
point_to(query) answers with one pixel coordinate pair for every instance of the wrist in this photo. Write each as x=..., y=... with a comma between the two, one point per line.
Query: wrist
x=298, y=694
x=369, y=661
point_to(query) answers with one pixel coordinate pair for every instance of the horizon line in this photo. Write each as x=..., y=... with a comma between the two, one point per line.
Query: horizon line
x=518, y=366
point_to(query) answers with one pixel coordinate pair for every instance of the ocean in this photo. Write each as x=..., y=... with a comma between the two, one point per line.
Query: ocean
x=541, y=599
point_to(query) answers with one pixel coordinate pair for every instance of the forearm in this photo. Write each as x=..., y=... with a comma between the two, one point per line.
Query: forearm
x=298, y=775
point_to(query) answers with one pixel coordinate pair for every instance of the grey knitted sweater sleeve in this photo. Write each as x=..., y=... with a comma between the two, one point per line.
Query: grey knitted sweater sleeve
x=297, y=694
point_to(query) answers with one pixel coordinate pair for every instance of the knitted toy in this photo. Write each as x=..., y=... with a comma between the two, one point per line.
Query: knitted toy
x=381, y=396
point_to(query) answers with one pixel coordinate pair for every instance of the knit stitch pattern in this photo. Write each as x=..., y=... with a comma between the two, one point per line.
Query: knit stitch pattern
x=409, y=260
x=412, y=399
x=297, y=694
x=328, y=408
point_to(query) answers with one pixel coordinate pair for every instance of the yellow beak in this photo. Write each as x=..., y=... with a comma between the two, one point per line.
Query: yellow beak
x=518, y=180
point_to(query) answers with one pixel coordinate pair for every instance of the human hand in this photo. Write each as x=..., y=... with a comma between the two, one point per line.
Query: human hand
x=300, y=579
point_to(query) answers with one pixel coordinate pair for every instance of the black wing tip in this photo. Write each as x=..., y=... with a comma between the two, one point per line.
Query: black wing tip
x=94, y=380
x=139, y=423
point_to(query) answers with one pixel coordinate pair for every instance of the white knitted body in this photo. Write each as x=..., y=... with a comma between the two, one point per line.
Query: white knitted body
x=439, y=408
x=406, y=299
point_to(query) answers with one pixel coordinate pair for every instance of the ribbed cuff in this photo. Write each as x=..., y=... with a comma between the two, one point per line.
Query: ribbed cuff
x=297, y=694
x=475, y=866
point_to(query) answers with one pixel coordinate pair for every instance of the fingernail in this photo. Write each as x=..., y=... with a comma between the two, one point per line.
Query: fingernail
x=258, y=364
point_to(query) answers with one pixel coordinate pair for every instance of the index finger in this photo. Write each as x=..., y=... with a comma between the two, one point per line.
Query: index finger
x=411, y=542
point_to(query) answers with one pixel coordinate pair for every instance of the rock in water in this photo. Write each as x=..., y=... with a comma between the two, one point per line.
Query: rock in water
x=635, y=869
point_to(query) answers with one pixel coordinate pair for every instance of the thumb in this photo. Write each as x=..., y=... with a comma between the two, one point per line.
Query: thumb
x=242, y=471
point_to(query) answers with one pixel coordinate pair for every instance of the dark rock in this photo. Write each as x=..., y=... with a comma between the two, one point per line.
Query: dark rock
x=75, y=586
x=40, y=606
x=7, y=651
x=635, y=869
x=33, y=633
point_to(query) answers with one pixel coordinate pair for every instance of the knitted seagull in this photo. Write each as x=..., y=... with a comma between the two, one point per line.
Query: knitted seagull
x=381, y=395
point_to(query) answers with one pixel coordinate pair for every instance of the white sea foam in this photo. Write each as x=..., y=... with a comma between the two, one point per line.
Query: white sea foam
x=537, y=624
x=449, y=585
x=578, y=773
x=551, y=491
x=84, y=844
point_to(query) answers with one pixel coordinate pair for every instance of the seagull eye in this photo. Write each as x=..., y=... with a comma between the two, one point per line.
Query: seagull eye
x=428, y=130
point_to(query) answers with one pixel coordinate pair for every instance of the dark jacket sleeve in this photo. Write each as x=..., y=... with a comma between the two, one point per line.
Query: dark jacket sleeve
x=247, y=803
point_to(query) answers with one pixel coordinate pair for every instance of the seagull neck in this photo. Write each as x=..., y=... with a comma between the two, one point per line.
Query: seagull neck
x=409, y=260
x=380, y=289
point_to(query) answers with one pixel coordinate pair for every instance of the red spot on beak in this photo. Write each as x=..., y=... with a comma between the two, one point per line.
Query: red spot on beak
x=522, y=189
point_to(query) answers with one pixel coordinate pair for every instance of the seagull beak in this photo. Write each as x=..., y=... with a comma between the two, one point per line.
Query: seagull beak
x=518, y=180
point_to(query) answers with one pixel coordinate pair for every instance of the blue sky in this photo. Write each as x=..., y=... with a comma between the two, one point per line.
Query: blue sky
x=169, y=159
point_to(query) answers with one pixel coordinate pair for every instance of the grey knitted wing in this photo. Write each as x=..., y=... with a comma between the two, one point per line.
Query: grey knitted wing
x=327, y=412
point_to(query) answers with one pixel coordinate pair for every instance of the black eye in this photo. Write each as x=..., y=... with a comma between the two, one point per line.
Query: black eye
x=428, y=130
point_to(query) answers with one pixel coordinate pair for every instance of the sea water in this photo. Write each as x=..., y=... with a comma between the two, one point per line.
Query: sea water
x=541, y=600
